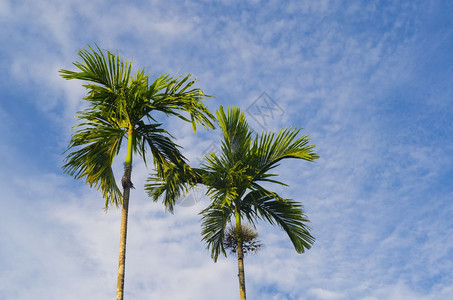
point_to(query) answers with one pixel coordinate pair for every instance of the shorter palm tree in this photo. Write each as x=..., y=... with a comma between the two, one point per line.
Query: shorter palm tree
x=234, y=181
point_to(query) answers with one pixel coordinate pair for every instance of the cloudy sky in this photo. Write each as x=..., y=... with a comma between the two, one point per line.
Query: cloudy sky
x=371, y=83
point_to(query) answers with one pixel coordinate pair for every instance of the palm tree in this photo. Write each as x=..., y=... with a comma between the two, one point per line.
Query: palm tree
x=234, y=181
x=123, y=106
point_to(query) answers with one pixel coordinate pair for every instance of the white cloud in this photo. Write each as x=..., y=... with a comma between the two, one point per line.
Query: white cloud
x=325, y=294
x=378, y=197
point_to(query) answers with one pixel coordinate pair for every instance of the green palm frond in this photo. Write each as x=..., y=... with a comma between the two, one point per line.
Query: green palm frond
x=226, y=179
x=111, y=72
x=173, y=183
x=269, y=149
x=164, y=150
x=214, y=223
x=237, y=136
x=177, y=97
x=286, y=213
x=97, y=145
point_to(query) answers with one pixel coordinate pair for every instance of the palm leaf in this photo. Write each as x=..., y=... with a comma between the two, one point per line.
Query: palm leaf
x=237, y=136
x=214, y=223
x=164, y=150
x=110, y=72
x=269, y=149
x=172, y=96
x=173, y=183
x=94, y=147
x=286, y=213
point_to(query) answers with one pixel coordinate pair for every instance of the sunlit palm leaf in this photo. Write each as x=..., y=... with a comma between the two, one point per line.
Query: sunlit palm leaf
x=172, y=184
x=97, y=145
x=269, y=149
x=177, y=98
x=111, y=72
x=237, y=136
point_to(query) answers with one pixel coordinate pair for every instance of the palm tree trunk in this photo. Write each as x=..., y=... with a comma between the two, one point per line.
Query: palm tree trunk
x=241, y=273
x=127, y=185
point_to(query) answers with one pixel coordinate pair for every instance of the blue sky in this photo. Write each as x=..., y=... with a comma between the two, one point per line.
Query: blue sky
x=370, y=82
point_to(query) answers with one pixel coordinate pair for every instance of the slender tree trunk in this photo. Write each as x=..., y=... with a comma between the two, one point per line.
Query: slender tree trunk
x=127, y=185
x=241, y=273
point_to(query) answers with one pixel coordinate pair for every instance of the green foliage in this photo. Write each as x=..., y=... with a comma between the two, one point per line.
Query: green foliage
x=172, y=184
x=234, y=179
x=120, y=104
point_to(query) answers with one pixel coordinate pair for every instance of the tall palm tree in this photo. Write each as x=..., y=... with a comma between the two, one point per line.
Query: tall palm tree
x=123, y=106
x=234, y=181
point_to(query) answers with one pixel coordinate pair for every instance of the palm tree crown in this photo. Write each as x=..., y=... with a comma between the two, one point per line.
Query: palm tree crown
x=121, y=105
x=234, y=181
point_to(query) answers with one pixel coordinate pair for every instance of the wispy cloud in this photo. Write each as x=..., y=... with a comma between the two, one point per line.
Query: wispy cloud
x=370, y=83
